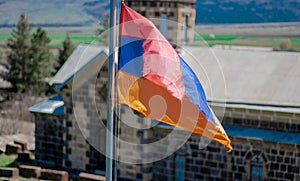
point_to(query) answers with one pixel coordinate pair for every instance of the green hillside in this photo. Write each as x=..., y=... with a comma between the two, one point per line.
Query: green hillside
x=48, y=13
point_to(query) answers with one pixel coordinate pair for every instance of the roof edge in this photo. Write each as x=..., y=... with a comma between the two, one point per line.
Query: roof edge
x=260, y=106
x=59, y=85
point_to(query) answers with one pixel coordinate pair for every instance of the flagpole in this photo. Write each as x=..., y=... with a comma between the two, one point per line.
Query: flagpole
x=111, y=96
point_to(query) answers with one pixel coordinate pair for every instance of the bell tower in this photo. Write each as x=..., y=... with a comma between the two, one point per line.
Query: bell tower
x=174, y=18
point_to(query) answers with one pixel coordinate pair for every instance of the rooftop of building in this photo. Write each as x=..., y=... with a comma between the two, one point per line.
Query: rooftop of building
x=253, y=79
x=232, y=78
x=80, y=59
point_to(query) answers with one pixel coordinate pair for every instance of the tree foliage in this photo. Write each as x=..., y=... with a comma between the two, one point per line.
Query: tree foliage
x=18, y=59
x=64, y=53
x=40, y=61
x=2, y=55
x=3, y=63
x=102, y=32
x=29, y=58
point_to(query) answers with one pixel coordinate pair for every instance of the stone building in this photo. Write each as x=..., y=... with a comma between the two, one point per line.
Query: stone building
x=255, y=93
x=175, y=19
x=59, y=141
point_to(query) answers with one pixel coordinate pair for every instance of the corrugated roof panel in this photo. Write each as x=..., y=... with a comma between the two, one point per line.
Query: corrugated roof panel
x=250, y=76
x=82, y=56
x=226, y=75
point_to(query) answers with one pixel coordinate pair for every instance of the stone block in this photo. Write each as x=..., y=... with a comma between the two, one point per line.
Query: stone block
x=205, y=170
x=288, y=176
x=252, y=117
x=268, y=113
x=295, y=121
x=284, y=114
x=239, y=110
x=30, y=171
x=90, y=177
x=266, y=118
x=23, y=145
x=56, y=175
x=148, y=176
x=24, y=157
x=254, y=112
x=12, y=173
x=12, y=149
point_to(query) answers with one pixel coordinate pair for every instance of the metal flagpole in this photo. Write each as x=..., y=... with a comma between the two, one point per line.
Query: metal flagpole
x=111, y=96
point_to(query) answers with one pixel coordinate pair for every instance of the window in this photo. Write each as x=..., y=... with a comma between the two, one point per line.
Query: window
x=164, y=25
x=153, y=4
x=185, y=28
x=180, y=167
x=257, y=168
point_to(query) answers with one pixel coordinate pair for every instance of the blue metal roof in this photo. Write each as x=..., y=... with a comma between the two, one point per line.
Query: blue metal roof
x=261, y=134
x=255, y=133
x=54, y=105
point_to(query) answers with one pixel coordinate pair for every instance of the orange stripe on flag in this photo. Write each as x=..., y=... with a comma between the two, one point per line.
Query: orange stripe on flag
x=157, y=103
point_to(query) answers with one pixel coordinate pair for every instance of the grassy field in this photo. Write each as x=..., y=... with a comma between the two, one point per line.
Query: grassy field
x=79, y=36
x=57, y=39
x=7, y=160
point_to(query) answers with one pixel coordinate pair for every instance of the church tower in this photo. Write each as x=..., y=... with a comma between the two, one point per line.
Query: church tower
x=174, y=18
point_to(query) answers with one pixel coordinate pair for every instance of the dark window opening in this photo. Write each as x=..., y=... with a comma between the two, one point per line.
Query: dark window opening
x=257, y=168
x=153, y=4
x=180, y=167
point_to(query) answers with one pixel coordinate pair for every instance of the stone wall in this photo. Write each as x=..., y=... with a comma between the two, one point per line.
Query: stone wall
x=85, y=131
x=279, y=120
x=60, y=142
x=175, y=11
x=72, y=141
x=279, y=161
x=133, y=134
x=49, y=140
x=250, y=156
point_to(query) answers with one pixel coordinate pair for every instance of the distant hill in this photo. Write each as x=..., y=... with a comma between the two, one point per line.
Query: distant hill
x=247, y=11
x=87, y=12
x=52, y=13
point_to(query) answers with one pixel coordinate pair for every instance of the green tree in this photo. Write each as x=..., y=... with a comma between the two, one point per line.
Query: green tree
x=3, y=65
x=41, y=59
x=102, y=32
x=18, y=56
x=64, y=53
x=2, y=61
x=2, y=55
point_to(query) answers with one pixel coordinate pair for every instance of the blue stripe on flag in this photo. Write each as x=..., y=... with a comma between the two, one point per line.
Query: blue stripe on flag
x=131, y=55
x=194, y=90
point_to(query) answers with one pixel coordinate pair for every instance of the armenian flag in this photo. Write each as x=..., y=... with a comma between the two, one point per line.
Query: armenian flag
x=156, y=82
